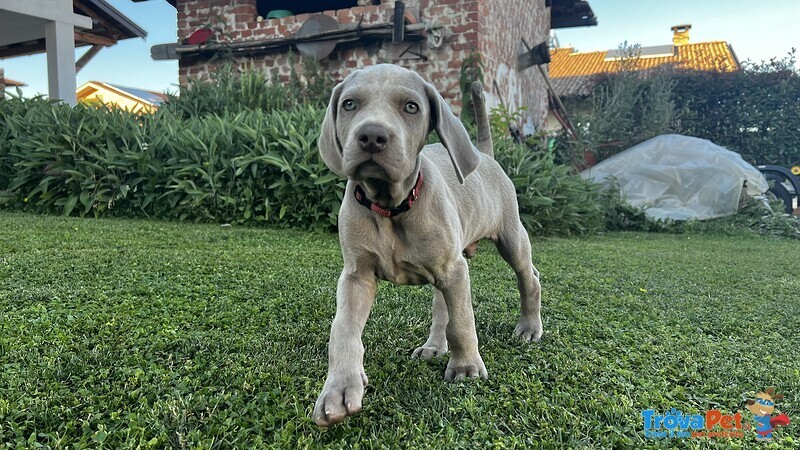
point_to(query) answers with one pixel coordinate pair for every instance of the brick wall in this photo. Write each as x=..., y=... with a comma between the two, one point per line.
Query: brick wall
x=493, y=27
x=507, y=22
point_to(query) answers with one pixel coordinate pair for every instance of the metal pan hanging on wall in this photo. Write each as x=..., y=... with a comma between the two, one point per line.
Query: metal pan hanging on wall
x=316, y=24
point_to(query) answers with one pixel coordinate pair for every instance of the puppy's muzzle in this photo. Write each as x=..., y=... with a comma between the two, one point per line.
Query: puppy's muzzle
x=373, y=138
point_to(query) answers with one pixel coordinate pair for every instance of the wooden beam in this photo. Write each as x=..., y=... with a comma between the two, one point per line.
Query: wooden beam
x=398, y=30
x=347, y=33
x=22, y=49
x=87, y=57
x=94, y=39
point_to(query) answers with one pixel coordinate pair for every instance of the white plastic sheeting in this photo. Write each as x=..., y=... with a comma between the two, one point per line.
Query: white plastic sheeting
x=680, y=177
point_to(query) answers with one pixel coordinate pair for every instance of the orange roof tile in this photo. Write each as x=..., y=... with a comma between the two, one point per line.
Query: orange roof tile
x=717, y=56
x=8, y=82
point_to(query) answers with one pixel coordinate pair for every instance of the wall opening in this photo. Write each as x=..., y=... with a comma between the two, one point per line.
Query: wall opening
x=306, y=6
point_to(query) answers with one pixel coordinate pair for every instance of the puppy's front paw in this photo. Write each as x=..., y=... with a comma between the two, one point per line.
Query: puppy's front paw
x=340, y=397
x=528, y=330
x=458, y=370
x=428, y=350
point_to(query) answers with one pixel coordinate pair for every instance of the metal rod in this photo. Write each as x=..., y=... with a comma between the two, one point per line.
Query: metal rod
x=571, y=127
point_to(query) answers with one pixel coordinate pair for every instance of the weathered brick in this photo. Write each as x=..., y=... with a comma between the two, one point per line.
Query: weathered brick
x=492, y=27
x=463, y=28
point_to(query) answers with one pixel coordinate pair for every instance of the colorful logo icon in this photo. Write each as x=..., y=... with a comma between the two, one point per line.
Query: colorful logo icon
x=714, y=424
x=762, y=408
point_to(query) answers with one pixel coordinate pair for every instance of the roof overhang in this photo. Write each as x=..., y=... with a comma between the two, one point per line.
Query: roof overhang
x=8, y=82
x=96, y=22
x=571, y=13
x=171, y=2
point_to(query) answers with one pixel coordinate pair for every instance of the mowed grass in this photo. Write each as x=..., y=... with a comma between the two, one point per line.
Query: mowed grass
x=129, y=334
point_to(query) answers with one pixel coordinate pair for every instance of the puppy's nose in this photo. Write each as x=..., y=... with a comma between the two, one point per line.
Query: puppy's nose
x=373, y=138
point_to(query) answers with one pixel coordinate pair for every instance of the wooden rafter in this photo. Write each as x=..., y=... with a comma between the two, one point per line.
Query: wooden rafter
x=94, y=39
x=87, y=57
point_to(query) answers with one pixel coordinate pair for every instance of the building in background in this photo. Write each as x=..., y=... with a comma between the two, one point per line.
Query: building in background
x=7, y=82
x=57, y=27
x=573, y=73
x=131, y=99
x=434, y=38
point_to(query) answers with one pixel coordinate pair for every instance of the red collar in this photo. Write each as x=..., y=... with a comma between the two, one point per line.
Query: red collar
x=361, y=198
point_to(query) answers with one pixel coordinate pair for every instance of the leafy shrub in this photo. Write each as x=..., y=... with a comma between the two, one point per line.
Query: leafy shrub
x=754, y=216
x=753, y=111
x=504, y=123
x=621, y=215
x=472, y=69
x=625, y=108
x=249, y=167
x=234, y=91
x=552, y=199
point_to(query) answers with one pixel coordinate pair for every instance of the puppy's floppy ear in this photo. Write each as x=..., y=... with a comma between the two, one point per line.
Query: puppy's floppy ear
x=451, y=132
x=329, y=146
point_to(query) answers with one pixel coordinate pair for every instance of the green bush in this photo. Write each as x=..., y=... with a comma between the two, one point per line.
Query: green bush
x=234, y=91
x=552, y=199
x=249, y=166
x=625, y=108
x=754, y=111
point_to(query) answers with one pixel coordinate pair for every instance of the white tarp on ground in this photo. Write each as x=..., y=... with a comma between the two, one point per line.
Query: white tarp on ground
x=680, y=177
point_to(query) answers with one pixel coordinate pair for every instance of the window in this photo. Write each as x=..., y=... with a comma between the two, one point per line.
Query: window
x=306, y=6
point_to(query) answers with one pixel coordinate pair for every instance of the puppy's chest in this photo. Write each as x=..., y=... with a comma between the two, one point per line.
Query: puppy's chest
x=404, y=257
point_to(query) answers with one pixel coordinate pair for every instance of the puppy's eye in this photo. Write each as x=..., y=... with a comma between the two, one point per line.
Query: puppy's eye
x=348, y=105
x=411, y=108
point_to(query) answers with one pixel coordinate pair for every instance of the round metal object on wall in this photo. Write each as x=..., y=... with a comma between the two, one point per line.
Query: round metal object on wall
x=316, y=24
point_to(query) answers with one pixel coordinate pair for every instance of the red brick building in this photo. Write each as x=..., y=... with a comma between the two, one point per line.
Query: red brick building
x=438, y=37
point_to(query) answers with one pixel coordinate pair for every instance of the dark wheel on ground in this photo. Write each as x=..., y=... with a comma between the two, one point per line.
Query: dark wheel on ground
x=781, y=193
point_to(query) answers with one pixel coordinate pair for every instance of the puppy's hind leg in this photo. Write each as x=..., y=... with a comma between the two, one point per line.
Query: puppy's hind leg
x=436, y=345
x=515, y=248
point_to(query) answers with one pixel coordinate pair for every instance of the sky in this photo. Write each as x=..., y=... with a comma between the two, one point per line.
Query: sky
x=128, y=63
x=757, y=30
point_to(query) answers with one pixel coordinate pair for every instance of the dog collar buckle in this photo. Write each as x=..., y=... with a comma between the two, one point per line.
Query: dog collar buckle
x=362, y=199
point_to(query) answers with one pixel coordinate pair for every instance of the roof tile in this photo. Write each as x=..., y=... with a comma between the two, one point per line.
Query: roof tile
x=718, y=55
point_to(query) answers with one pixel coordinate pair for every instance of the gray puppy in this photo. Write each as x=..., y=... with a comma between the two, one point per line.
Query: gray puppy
x=409, y=214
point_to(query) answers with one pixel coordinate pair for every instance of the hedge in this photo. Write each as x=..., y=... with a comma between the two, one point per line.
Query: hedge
x=754, y=111
x=249, y=167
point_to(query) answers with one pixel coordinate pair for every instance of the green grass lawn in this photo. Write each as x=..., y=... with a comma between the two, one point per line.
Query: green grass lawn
x=153, y=334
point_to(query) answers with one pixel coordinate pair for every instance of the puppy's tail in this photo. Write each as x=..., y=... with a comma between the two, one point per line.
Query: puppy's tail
x=484, y=141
